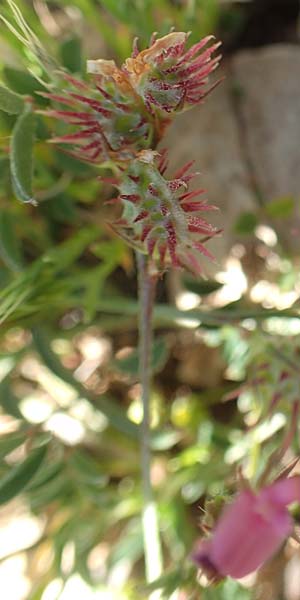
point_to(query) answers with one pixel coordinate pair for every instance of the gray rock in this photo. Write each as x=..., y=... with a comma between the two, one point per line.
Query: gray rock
x=210, y=135
x=267, y=82
x=246, y=141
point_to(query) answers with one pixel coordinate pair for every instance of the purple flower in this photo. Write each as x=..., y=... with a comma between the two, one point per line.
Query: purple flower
x=249, y=531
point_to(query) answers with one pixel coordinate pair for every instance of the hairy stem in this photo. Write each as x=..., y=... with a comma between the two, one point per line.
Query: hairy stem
x=152, y=546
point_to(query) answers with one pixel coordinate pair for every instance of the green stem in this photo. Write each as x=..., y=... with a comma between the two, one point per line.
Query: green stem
x=152, y=546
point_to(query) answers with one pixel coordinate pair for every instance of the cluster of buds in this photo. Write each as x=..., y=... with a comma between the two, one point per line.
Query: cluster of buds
x=127, y=109
x=122, y=117
x=249, y=531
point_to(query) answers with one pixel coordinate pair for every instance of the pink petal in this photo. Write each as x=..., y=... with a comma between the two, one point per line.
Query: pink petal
x=247, y=535
x=283, y=492
x=250, y=530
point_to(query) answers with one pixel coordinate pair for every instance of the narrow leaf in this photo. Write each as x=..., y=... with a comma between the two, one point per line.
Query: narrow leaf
x=9, y=247
x=18, y=477
x=21, y=157
x=130, y=364
x=45, y=475
x=10, y=441
x=71, y=56
x=11, y=103
x=203, y=288
x=23, y=82
x=8, y=400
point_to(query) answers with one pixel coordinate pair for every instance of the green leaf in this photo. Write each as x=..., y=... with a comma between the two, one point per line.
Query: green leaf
x=166, y=314
x=203, y=288
x=88, y=470
x=130, y=364
x=46, y=475
x=9, y=401
x=59, y=208
x=9, y=246
x=38, y=590
x=72, y=165
x=22, y=82
x=129, y=546
x=18, y=477
x=70, y=52
x=21, y=157
x=56, y=488
x=10, y=441
x=280, y=207
x=120, y=10
x=164, y=440
x=41, y=275
x=179, y=531
x=168, y=582
x=246, y=223
x=94, y=285
x=227, y=590
x=11, y=103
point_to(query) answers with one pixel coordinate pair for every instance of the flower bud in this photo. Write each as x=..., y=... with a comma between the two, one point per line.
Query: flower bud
x=249, y=531
x=159, y=214
x=169, y=78
x=109, y=120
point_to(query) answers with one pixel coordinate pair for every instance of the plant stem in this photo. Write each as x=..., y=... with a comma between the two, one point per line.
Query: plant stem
x=152, y=546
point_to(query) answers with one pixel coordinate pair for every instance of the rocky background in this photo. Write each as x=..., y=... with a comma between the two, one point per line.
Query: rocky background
x=246, y=138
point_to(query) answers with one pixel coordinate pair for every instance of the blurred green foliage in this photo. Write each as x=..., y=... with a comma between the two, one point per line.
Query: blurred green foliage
x=68, y=359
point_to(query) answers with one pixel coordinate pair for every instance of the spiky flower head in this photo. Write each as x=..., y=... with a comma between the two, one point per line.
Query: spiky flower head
x=120, y=118
x=160, y=216
x=125, y=110
x=170, y=78
x=108, y=119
